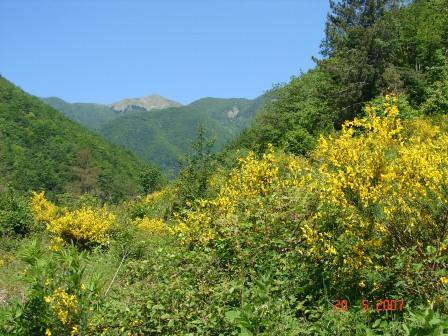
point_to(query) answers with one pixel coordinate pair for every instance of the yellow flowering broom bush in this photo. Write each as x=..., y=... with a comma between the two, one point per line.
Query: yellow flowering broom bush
x=246, y=191
x=154, y=205
x=376, y=189
x=62, y=299
x=83, y=227
x=387, y=182
x=42, y=208
x=151, y=225
x=64, y=305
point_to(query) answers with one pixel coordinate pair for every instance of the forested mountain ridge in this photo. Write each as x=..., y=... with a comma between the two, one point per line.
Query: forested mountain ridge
x=91, y=116
x=43, y=150
x=162, y=135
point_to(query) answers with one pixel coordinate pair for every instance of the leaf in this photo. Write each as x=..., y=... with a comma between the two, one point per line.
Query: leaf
x=406, y=329
x=245, y=332
x=232, y=315
x=376, y=323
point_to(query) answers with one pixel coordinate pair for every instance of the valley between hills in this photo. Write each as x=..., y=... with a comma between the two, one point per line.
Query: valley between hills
x=161, y=131
x=318, y=208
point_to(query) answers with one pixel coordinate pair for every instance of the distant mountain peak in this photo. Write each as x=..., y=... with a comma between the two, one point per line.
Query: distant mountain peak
x=148, y=103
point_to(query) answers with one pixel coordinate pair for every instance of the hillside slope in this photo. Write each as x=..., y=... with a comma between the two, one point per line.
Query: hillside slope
x=40, y=149
x=92, y=116
x=163, y=135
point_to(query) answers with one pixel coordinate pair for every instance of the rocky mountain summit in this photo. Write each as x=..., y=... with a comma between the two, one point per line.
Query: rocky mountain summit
x=152, y=102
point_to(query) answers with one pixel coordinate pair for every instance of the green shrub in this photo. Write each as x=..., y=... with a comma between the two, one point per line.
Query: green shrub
x=60, y=299
x=15, y=214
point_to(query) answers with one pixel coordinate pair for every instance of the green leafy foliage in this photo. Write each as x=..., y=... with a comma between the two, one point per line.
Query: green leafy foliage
x=371, y=48
x=162, y=136
x=196, y=170
x=292, y=118
x=151, y=180
x=60, y=299
x=42, y=150
x=15, y=214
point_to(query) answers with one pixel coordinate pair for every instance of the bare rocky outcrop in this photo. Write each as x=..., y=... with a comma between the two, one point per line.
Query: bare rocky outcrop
x=148, y=103
x=233, y=112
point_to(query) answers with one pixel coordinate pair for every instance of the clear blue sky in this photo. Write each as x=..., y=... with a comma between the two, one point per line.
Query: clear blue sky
x=103, y=51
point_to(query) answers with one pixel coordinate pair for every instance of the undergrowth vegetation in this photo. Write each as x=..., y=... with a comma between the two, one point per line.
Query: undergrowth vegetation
x=329, y=216
x=278, y=240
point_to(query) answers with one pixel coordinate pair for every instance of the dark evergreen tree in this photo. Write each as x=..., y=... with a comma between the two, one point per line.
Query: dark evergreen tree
x=151, y=179
x=358, y=58
x=196, y=169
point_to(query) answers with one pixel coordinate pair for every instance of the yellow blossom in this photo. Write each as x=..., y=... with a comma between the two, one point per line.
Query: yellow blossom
x=43, y=209
x=63, y=304
x=153, y=225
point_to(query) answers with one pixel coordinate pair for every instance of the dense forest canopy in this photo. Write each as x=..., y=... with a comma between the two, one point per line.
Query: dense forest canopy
x=42, y=150
x=371, y=48
x=162, y=136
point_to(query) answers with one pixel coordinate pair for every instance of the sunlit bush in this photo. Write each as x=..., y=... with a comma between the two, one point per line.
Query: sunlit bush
x=43, y=209
x=382, y=187
x=83, y=227
x=151, y=225
x=156, y=204
x=60, y=299
x=15, y=214
x=377, y=188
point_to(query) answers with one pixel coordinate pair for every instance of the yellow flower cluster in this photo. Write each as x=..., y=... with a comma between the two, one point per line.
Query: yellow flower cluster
x=382, y=174
x=356, y=164
x=84, y=226
x=42, y=209
x=245, y=190
x=196, y=226
x=151, y=225
x=256, y=177
x=153, y=197
x=374, y=188
x=64, y=305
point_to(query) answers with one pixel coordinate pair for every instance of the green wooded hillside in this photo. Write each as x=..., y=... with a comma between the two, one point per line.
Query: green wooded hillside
x=91, y=116
x=40, y=149
x=162, y=136
x=370, y=49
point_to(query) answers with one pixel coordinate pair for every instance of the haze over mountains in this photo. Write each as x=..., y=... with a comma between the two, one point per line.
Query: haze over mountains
x=160, y=130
